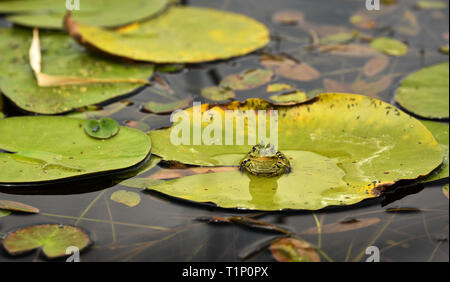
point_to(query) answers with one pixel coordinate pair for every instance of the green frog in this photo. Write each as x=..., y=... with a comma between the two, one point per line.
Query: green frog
x=264, y=160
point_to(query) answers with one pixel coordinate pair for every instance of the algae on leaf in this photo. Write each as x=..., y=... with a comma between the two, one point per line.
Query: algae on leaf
x=51, y=148
x=62, y=58
x=426, y=92
x=180, y=35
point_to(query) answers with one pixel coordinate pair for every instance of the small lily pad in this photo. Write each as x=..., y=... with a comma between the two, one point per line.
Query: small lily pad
x=290, y=98
x=165, y=108
x=339, y=38
x=55, y=148
x=127, y=198
x=16, y=206
x=430, y=5
x=293, y=250
x=180, y=35
x=4, y=213
x=53, y=239
x=104, y=128
x=217, y=93
x=390, y=46
x=375, y=65
x=289, y=67
x=105, y=13
x=426, y=92
x=444, y=49
x=248, y=79
x=277, y=87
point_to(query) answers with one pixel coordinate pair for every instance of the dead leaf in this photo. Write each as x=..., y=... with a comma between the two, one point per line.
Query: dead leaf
x=293, y=250
x=343, y=226
x=289, y=67
x=354, y=50
x=375, y=65
x=288, y=17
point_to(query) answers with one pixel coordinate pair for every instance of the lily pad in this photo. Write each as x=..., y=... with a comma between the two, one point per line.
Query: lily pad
x=426, y=92
x=276, y=87
x=444, y=49
x=289, y=67
x=4, y=213
x=293, y=250
x=290, y=98
x=105, y=13
x=127, y=198
x=57, y=147
x=180, y=35
x=389, y=46
x=343, y=148
x=248, y=79
x=165, y=108
x=441, y=133
x=16, y=206
x=104, y=128
x=217, y=93
x=62, y=57
x=53, y=239
x=431, y=5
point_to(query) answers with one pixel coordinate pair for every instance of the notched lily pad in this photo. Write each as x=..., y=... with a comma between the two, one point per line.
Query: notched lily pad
x=390, y=46
x=104, y=128
x=52, y=239
x=16, y=206
x=426, y=92
x=248, y=79
x=127, y=198
x=57, y=147
x=180, y=35
x=293, y=250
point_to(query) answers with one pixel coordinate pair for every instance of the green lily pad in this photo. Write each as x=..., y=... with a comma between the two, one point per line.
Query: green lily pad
x=104, y=128
x=426, y=92
x=57, y=147
x=277, y=87
x=105, y=13
x=180, y=35
x=165, y=108
x=217, y=93
x=389, y=46
x=53, y=239
x=127, y=198
x=292, y=98
x=4, y=213
x=343, y=148
x=431, y=5
x=441, y=133
x=61, y=57
x=248, y=79
x=444, y=49
x=16, y=206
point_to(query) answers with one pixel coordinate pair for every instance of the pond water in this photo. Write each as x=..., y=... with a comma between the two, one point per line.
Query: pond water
x=413, y=221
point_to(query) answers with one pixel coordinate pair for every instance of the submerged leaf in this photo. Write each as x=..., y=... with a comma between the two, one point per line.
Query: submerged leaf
x=53, y=239
x=104, y=128
x=445, y=190
x=180, y=35
x=289, y=67
x=378, y=146
x=63, y=58
x=16, y=206
x=106, y=13
x=426, y=92
x=166, y=108
x=287, y=17
x=217, y=93
x=57, y=147
x=293, y=250
x=127, y=198
x=389, y=46
x=248, y=79
x=375, y=65
x=343, y=226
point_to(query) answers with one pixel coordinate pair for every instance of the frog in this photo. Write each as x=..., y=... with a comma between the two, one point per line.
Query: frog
x=266, y=161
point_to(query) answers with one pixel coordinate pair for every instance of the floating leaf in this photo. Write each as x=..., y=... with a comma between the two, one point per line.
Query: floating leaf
x=289, y=67
x=363, y=20
x=378, y=146
x=339, y=38
x=426, y=92
x=430, y=5
x=343, y=226
x=403, y=210
x=353, y=50
x=444, y=49
x=177, y=173
x=375, y=65
x=445, y=190
x=180, y=35
x=389, y=46
x=293, y=250
x=441, y=133
x=16, y=206
x=63, y=58
x=217, y=93
x=288, y=17
x=140, y=182
x=4, y=213
x=372, y=88
x=248, y=79
x=291, y=98
x=276, y=87
x=104, y=128
x=411, y=25
x=127, y=198
x=97, y=112
x=53, y=239
x=165, y=108
x=57, y=147
x=249, y=222
x=106, y=13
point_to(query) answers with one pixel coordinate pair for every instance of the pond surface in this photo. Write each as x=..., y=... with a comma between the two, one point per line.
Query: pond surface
x=413, y=221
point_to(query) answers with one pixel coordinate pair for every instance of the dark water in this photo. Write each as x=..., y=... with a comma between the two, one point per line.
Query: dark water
x=165, y=229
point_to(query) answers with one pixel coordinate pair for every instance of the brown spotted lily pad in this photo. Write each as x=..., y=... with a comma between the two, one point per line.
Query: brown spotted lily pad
x=293, y=250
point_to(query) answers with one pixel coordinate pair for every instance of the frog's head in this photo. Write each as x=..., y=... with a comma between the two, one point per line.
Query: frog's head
x=263, y=150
